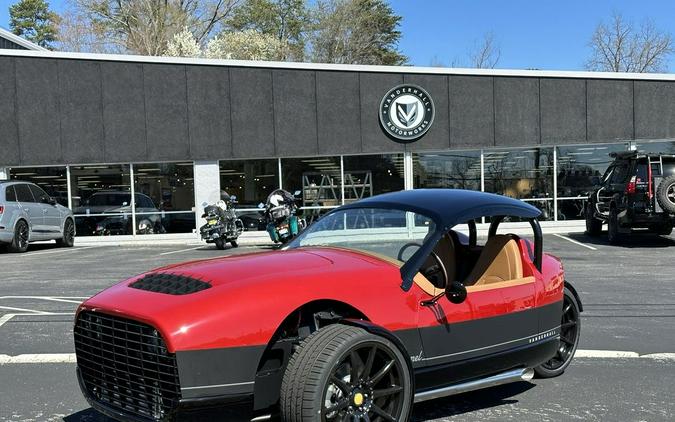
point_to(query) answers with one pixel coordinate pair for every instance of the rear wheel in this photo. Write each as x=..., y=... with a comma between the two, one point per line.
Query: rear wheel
x=613, y=226
x=20, y=241
x=570, y=330
x=220, y=243
x=68, y=239
x=343, y=373
x=593, y=225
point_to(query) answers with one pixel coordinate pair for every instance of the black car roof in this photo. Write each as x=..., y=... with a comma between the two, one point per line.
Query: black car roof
x=449, y=207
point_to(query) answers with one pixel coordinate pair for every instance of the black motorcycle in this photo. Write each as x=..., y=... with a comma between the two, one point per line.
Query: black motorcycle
x=282, y=223
x=222, y=224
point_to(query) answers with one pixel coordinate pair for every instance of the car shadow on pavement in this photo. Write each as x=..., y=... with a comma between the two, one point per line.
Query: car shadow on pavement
x=630, y=241
x=87, y=415
x=427, y=411
x=470, y=402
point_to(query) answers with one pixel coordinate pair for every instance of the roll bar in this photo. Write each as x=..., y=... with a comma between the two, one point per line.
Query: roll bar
x=538, y=238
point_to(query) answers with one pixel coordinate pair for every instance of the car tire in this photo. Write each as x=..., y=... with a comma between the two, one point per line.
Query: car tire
x=665, y=194
x=318, y=383
x=593, y=225
x=68, y=239
x=613, y=226
x=234, y=243
x=220, y=244
x=570, y=330
x=21, y=236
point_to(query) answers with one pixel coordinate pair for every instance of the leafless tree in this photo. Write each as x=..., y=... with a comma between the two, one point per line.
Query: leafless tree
x=486, y=53
x=143, y=26
x=620, y=46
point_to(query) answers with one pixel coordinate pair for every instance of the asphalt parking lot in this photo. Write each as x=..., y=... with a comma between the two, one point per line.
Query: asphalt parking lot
x=623, y=372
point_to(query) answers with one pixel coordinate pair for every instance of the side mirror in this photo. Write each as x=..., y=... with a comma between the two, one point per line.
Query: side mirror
x=297, y=193
x=51, y=201
x=204, y=204
x=261, y=205
x=455, y=292
x=233, y=197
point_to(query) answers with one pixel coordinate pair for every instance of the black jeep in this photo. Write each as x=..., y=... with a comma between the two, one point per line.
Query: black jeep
x=637, y=191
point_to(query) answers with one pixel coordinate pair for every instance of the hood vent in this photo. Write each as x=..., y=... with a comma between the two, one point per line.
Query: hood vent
x=170, y=284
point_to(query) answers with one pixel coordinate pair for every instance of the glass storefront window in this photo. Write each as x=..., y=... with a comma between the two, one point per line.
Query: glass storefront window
x=251, y=181
x=457, y=170
x=164, y=197
x=656, y=147
x=318, y=179
x=101, y=199
x=368, y=175
x=580, y=169
x=53, y=180
x=520, y=173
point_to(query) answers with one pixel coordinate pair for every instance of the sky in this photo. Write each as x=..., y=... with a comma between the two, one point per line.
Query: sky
x=531, y=34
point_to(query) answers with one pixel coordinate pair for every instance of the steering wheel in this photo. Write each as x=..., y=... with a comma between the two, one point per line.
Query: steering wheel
x=433, y=270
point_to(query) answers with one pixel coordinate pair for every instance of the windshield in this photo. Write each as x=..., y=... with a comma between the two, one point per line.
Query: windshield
x=389, y=233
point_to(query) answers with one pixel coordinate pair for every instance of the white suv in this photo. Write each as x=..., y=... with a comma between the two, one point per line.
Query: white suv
x=28, y=213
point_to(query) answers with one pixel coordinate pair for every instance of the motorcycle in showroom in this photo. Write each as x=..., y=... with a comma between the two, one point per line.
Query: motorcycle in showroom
x=222, y=224
x=280, y=215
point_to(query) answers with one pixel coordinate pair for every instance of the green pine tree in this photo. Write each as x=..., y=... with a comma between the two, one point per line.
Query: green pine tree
x=33, y=20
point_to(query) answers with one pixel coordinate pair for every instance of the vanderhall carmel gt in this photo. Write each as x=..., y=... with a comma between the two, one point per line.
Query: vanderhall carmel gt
x=378, y=305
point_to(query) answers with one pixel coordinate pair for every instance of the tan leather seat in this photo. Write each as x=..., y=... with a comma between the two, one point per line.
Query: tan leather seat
x=445, y=249
x=499, y=261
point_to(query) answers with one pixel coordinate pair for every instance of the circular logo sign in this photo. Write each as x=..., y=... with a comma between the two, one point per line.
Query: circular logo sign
x=406, y=113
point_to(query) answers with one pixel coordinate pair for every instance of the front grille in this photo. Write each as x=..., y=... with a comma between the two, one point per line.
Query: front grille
x=171, y=284
x=125, y=365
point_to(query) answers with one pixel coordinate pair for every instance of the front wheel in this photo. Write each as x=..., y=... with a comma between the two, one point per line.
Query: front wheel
x=68, y=239
x=593, y=225
x=613, y=226
x=570, y=330
x=344, y=373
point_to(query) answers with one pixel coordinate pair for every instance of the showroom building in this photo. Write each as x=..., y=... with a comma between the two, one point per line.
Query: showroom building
x=97, y=130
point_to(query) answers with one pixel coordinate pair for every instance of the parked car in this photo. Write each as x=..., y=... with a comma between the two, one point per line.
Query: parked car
x=352, y=320
x=109, y=213
x=28, y=214
x=637, y=191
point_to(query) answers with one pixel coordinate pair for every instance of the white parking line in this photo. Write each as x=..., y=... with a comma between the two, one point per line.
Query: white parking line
x=67, y=299
x=583, y=354
x=575, y=242
x=31, y=311
x=61, y=250
x=5, y=318
x=38, y=358
x=181, y=250
x=606, y=354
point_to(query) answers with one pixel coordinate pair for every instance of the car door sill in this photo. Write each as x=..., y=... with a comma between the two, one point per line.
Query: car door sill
x=520, y=374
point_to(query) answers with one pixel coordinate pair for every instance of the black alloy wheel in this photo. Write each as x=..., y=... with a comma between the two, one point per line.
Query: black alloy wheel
x=342, y=373
x=21, y=234
x=68, y=239
x=570, y=330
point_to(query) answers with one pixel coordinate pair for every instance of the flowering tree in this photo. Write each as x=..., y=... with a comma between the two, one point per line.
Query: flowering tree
x=246, y=45
x=183, y=44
